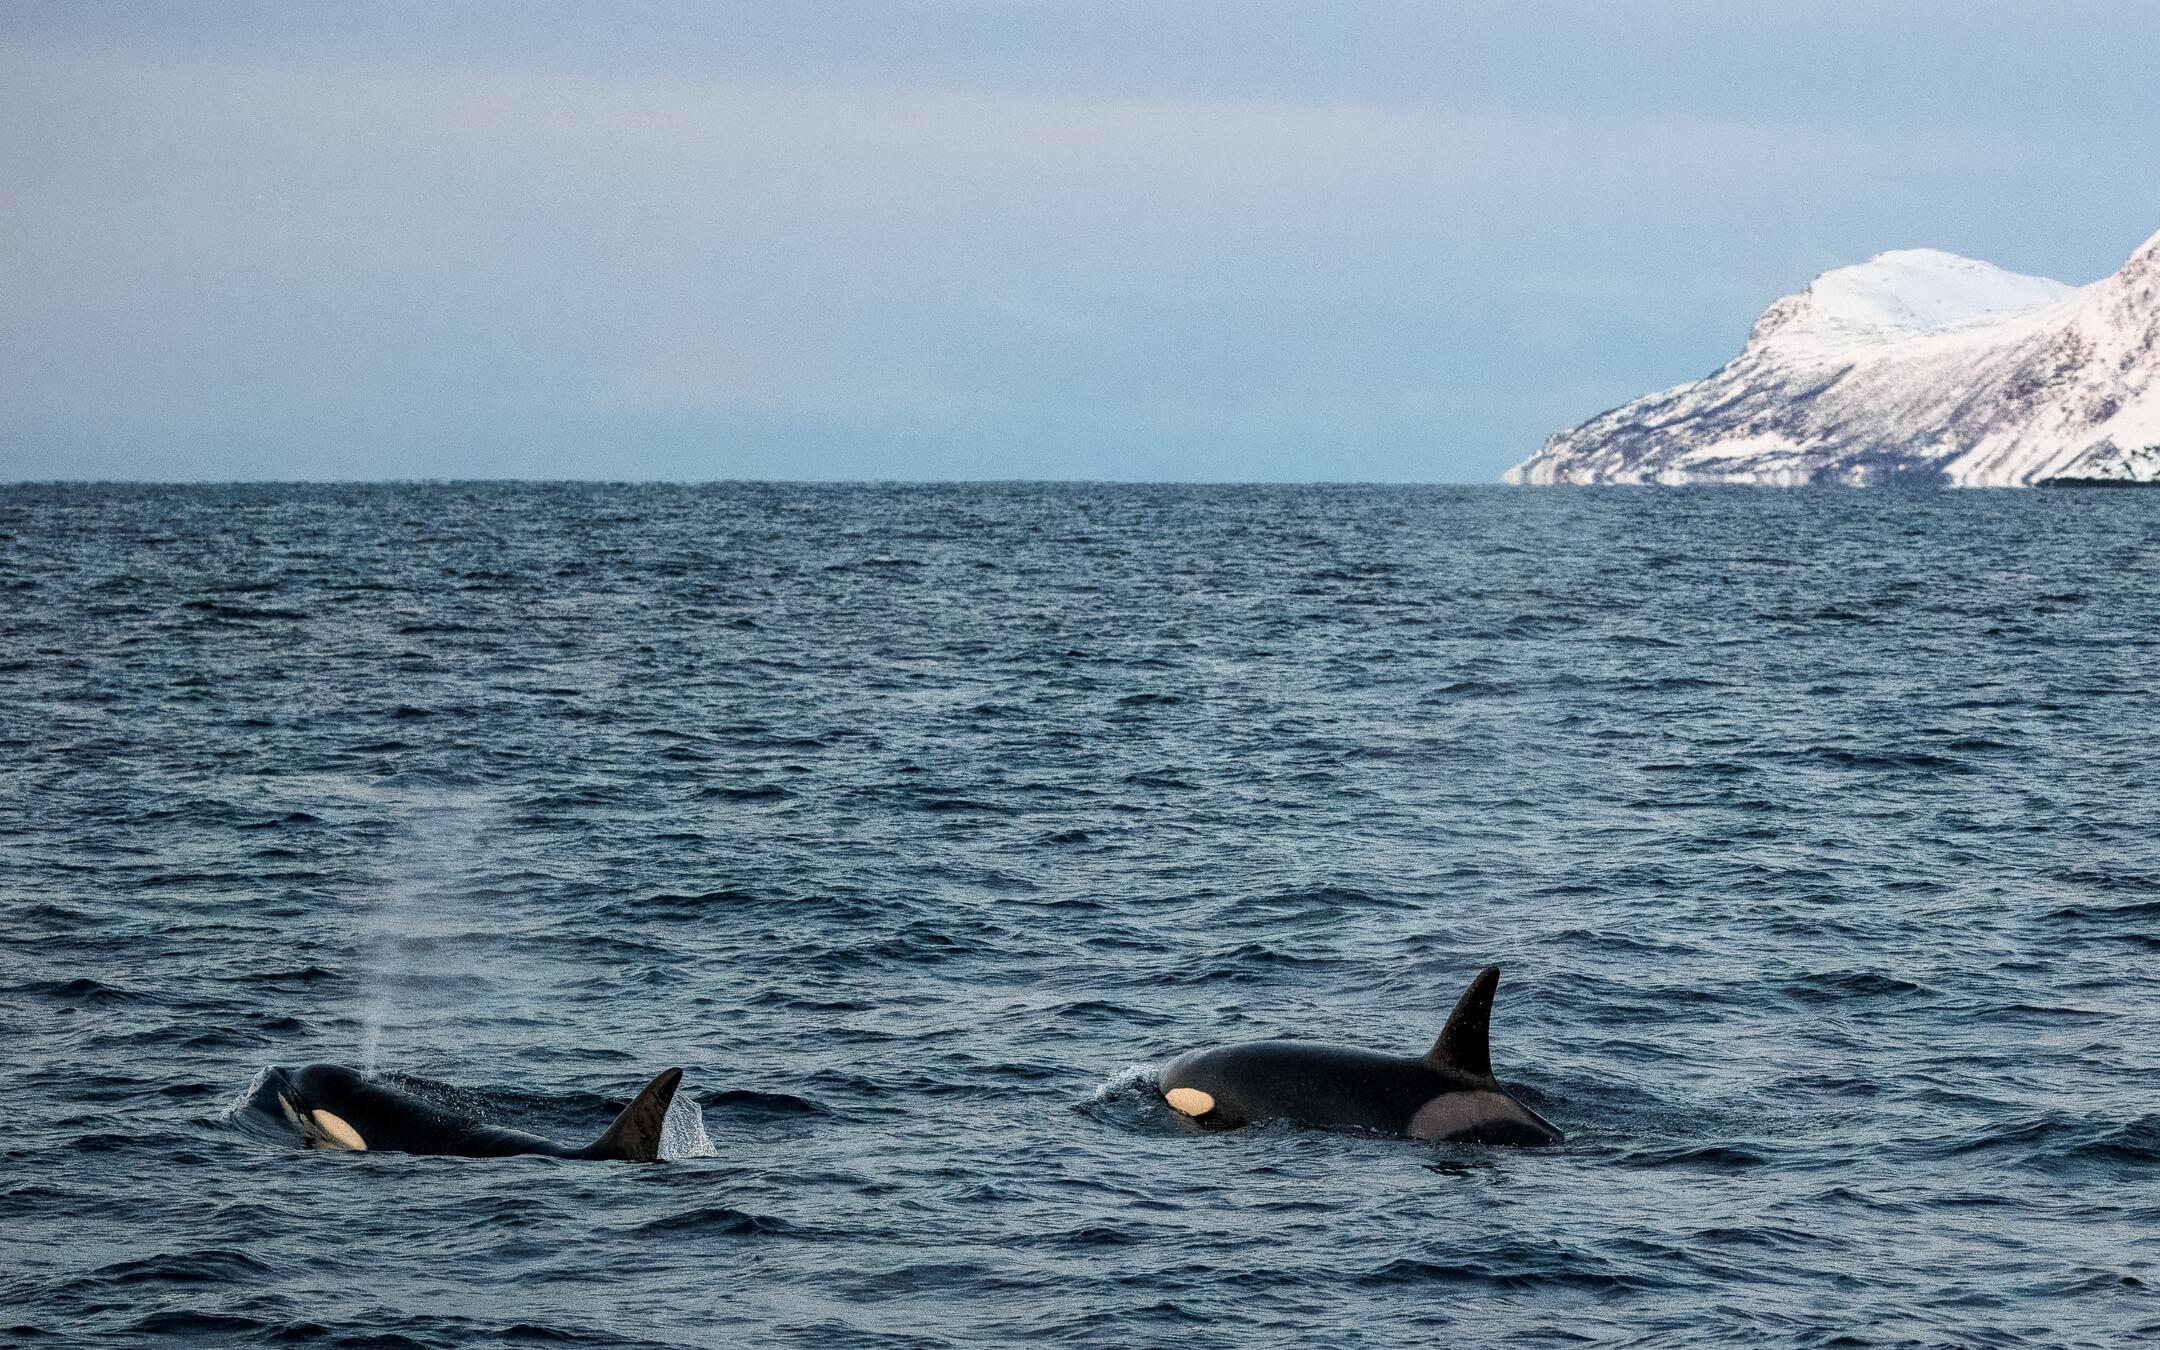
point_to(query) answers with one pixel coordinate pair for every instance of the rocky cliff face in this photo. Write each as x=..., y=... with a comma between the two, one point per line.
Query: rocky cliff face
x=1916, y=366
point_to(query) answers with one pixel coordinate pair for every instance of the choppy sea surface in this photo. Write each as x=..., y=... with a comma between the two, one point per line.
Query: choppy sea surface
x=1814, y=832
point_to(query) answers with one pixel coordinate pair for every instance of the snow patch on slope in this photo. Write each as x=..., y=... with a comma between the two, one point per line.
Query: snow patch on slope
x=1904, y=294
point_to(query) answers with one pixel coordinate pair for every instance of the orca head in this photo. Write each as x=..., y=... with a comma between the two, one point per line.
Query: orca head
x=320, y=1103
x=330, y=1084
x=271, y=1089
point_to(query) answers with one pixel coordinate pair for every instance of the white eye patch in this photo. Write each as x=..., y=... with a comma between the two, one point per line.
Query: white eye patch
x=1189, y=1101
x=338, y=1132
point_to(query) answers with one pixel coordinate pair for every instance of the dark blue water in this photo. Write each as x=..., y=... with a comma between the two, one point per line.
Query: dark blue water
x=1815, y=833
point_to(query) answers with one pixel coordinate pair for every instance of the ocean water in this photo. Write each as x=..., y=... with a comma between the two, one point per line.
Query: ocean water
x=1814, y=832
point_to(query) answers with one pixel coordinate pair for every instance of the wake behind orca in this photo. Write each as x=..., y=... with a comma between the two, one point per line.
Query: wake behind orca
x=1448, y=1094
x=332, y=1107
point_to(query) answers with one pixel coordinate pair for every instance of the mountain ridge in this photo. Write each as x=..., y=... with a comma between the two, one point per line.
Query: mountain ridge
x=1917, y=366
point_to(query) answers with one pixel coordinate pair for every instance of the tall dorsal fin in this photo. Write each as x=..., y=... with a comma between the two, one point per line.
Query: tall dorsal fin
x=635, y=1135
x=1465, y=1043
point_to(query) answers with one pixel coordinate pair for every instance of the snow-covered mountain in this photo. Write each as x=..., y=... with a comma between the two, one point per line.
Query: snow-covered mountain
x=1915, y=366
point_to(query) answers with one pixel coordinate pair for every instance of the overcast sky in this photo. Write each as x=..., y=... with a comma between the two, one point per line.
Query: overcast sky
x=1171, y=239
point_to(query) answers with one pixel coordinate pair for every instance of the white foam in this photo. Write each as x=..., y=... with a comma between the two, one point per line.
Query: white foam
x=246, y=1098
x=1126, y=1082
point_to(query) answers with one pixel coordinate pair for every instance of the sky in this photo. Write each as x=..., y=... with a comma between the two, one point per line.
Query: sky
x=1196, y=240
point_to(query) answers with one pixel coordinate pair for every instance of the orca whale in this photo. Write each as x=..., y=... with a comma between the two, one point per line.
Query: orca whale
x=1448, y=1094
x=330, y=1106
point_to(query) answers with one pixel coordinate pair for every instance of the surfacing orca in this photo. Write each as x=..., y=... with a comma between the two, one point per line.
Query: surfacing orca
x=1447, y=1095
x=333, y=1107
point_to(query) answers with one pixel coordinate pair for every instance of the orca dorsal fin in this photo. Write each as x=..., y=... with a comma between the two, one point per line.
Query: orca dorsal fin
x=1465, y=1044
x=635, y=1135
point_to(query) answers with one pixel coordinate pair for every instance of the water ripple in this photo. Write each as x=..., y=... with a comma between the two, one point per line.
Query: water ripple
x=1813, y=832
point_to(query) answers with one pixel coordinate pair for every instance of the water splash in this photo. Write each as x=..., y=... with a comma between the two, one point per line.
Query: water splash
x=1129, y=1099
x=1134, y=1080
x=682, y=1131
x=246, y=1096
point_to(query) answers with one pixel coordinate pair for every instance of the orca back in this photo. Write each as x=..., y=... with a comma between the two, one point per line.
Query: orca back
x=333, y=1107
x=1331, y=1086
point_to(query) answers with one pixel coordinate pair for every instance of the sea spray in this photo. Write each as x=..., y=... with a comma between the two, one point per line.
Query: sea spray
x=682, y=1132
x=416, y=960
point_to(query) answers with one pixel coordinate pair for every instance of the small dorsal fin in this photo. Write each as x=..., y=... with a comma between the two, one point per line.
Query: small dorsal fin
x=635, y=1135
x=1465, y=1043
